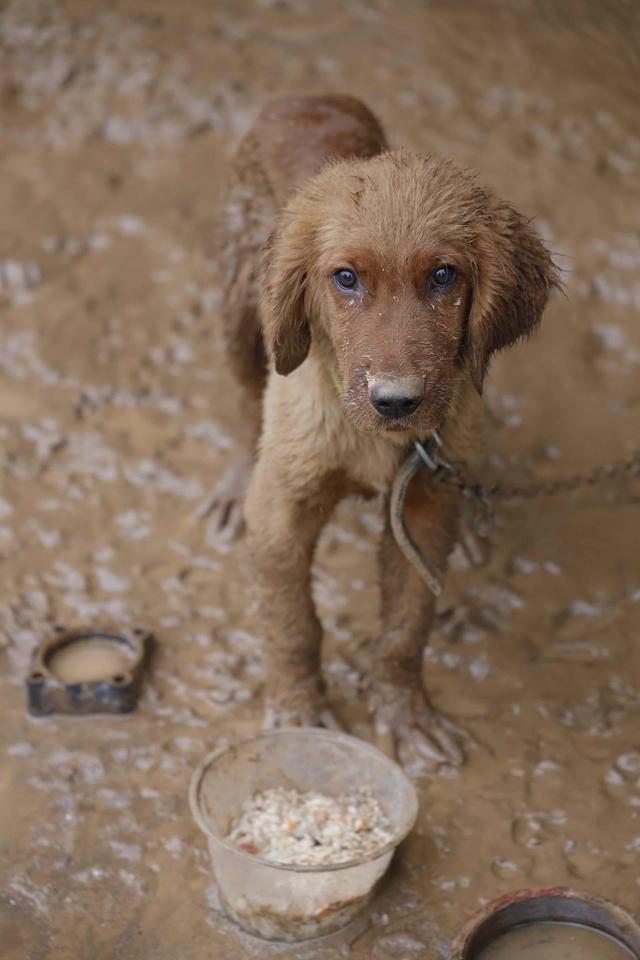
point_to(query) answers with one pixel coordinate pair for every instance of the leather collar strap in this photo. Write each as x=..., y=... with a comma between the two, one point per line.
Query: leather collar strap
x=421, y=455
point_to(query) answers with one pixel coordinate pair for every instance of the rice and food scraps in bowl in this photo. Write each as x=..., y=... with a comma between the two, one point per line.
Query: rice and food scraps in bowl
x=296, y=848
x=290, y=827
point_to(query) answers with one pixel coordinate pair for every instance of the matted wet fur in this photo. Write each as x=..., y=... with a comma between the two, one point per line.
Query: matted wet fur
x=340, y=380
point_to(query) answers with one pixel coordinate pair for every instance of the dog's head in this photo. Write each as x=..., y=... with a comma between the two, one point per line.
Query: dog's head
x=412, y=272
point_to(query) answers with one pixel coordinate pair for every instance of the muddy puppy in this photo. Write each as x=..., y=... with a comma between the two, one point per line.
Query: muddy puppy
x=366, y=292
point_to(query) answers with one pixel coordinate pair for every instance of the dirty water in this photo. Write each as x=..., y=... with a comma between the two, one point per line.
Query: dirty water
x=117, y=415
x=89, y=661
x=555, y=941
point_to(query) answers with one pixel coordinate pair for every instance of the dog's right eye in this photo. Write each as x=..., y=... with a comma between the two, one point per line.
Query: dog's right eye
x=345, y=280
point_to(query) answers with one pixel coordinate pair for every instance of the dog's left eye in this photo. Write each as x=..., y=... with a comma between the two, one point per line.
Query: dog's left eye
x=345, y=280
x=442, y=277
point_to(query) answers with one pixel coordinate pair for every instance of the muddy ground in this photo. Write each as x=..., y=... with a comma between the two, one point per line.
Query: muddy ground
x=117, y=417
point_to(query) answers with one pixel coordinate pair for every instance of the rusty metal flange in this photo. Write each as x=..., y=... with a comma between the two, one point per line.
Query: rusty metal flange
x=47, y=693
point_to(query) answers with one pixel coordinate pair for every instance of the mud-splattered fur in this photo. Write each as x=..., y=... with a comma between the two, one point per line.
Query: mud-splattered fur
x=316, y=176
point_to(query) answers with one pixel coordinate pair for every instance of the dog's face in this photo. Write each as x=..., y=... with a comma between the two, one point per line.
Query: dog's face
x=396, y=322
x=412, y=273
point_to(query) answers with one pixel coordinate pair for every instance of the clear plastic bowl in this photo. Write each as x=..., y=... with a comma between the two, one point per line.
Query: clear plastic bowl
x=285, y=901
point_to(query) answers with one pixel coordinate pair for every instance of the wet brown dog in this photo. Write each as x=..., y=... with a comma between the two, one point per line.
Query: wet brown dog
x=384, y=289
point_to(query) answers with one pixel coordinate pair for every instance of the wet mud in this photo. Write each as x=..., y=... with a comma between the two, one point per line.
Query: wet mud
x=117, y=416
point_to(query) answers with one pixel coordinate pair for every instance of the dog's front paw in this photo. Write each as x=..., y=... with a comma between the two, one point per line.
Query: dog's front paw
x=295, y=712
x=408, y=728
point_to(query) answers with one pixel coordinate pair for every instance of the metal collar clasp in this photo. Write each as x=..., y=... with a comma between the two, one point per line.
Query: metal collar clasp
x=429, y=453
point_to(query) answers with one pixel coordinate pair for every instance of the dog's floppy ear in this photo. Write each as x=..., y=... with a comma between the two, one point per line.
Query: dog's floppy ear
x=284, y=293
x=514, y=275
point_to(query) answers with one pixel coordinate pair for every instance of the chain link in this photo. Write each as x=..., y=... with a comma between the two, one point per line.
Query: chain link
x=427, y=454
x=454, y=475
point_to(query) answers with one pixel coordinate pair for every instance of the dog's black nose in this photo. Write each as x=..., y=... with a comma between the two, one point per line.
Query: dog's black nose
x=396, y=400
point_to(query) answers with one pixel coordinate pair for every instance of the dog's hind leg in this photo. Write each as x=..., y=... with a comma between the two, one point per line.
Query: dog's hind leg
x=244, y=351
x=248, y=210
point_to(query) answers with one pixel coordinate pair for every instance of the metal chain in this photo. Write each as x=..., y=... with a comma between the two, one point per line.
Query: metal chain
x=455, y=476
x=479, y=497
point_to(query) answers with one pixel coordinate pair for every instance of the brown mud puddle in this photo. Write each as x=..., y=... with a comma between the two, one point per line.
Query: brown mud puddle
x=117, y=415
